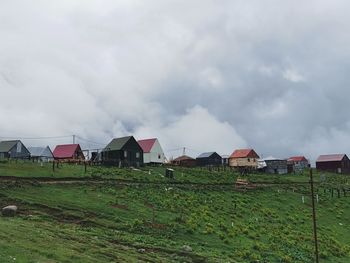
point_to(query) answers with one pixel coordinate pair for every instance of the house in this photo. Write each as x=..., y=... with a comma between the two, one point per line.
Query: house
x=123, y=152
x=336, y=163
x=225, y=159
x=13, y=150
x=41, y=154
x=69, y=152
x=273, y=165
x=297, y=164
x=152, y=151
x=209, y=159
x=244, y=158
x=185, y=161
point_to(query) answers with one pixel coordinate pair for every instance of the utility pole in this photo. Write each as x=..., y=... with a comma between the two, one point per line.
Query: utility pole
x=314, y=216
x=184, y=151
x=73, y=139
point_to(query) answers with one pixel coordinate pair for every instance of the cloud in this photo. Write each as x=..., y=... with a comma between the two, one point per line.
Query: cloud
x=270, y=75
x=197, y=130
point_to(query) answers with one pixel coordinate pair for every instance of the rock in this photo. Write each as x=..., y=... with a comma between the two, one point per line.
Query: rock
x=187, y=248
x=9, y=211
x=142, y=250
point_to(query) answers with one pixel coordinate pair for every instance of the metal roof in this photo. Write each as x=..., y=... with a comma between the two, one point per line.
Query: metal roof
x=40, y=151
x=331, y=158
x=205, y=155
x=147, y=144
x=117, y=143
x=183, y=158
x=66, y=150
x=297, y=159
x=244, y=153
x=6, y=146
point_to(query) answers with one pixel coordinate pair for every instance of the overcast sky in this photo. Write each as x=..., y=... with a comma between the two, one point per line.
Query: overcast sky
x=209, y=75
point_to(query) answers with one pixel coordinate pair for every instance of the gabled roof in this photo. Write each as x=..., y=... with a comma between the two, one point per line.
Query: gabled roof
x=66, y=150
x=6, y=146
x=40, y=151
x=205, y=155
x=183, y=158
x=297, y=159
x=147, y=144
x=244, y=153
x=117, y=143
x=331, y=158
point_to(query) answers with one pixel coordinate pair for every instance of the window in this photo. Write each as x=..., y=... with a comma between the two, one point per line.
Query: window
x=248, y=159
x=137, y=155
x=125, y=154
x=158, y=156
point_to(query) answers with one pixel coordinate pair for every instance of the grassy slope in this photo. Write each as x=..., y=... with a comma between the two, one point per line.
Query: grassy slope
x=72, y=223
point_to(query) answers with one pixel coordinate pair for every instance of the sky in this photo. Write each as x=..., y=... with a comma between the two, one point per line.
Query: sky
x=202, y=74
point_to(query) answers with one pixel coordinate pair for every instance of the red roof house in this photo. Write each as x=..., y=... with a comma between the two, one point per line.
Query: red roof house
x=152, y=151
x=297, y=164
x=244, y=158
x=68, y=152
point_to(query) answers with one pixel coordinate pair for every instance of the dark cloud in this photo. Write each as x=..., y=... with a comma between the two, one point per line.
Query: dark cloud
x=209, y=76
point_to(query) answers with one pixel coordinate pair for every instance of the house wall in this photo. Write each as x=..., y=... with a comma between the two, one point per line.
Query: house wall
x=156, y=155
x=19, y=151
x=214, y=160
x=334, y=167
x=276, y=167
x=132, y=148
x=243, y=162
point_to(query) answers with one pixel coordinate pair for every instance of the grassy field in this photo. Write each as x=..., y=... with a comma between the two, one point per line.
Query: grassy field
x=86, y=222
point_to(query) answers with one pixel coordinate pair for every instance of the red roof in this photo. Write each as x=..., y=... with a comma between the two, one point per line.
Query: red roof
x=65, y=151
x=147, y=144
x=244, y=153
x=297, y=159
x=331, y=158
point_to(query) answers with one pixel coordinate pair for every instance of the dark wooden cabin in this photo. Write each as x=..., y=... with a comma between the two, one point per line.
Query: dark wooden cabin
x=185, y=161
x=335, y=163
x=209, y=159
x=13, y=150
x=123, y=152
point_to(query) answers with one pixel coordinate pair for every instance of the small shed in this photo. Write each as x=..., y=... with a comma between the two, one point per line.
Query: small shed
x=68, y=152
x=297, y=164
x=244, y=158
x=13, y=150
x=41, y=154
x=152, y=151
x=335, y=163
x=185, y=161
x=274, y=165
x=209, y=159
x=122, y=152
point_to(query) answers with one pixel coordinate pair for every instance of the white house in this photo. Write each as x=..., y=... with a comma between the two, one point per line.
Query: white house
x=152, y=151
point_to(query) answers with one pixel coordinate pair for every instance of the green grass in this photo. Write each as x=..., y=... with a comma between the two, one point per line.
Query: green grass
x=114, y=223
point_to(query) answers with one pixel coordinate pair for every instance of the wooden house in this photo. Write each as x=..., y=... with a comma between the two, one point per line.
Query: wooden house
x=273, y=165
x=41, y=154
x=244, y=158
x=185, y=161
x=335, y=163
x=68, y=152
x=13, y=150
x=209, y=159
x=152, y=151
x=297, y=164
x=123, y=152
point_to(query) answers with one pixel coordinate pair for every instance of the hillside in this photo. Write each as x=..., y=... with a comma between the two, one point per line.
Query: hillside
x=124, y=215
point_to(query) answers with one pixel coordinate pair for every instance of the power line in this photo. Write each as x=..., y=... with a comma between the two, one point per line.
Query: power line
x=85, y=140
x=35, y=138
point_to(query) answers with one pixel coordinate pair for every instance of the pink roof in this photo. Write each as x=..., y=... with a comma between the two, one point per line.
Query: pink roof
x=65, y=151
x=297, y=159
x=331, y=158
x=147, y=144
x=244, y=153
